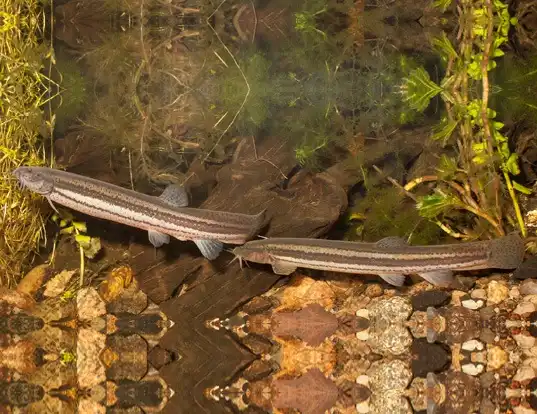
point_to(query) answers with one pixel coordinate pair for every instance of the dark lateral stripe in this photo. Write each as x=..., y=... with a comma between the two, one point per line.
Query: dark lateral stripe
x=105, y=200
x=153, y=206
x=133, y=218
x=300, y=244
x=387, y=261
x=375, y=266
x=387, y=257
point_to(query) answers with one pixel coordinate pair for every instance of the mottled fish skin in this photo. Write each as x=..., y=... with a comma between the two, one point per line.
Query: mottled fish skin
x=154, y=214
x=390, y=258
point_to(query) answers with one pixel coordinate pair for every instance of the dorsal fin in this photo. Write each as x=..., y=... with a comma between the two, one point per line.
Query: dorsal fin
x=391, y=242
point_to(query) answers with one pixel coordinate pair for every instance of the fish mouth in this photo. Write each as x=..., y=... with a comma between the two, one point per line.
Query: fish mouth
x=239, y=251
x=17, y=172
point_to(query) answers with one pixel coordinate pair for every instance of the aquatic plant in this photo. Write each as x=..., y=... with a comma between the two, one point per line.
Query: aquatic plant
x=229, y=90
x=383, y=212
x=305, y=22
x=24, y=92
x=418, y=89
x=145, y=105
x=67, y=357
x=73, y=96
x=87, y=246
x=484, y=158
x=514, y=96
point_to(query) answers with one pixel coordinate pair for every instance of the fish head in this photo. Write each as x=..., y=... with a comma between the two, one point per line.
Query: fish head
x=34, y=179
x=252, y=254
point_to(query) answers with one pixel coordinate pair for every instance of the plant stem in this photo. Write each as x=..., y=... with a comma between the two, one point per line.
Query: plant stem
x=516, y=206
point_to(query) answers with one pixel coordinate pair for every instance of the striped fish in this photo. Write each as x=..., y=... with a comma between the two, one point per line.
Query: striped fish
x=390, y=258
x=162, y=216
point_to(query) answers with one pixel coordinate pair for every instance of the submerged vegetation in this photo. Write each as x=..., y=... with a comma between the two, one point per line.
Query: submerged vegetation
x=482, y=173
x=24, y=93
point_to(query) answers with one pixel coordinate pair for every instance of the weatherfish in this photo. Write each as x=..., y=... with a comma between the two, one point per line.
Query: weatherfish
x=164, y=216
x=390, y=258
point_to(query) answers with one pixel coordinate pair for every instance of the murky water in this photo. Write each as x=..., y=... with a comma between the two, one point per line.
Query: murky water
x=345, y=120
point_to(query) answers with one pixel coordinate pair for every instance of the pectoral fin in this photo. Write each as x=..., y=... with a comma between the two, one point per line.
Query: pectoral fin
x=158, y=239
x=438, y=277
x=211, y=249
x=175, y=196
x=283, y=268
x=395, y=280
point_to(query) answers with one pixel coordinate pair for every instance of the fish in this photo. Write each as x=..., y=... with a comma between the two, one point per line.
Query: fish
x=390, y=258
x=162, y=217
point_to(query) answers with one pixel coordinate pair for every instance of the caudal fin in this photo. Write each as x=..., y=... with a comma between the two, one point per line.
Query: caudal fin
x=506, y=252
x=260, y=220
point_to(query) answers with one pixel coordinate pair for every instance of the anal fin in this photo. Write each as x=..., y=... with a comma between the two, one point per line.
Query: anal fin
x=210, y=249
x=442, y=277
x=283, y=268
x=157, y=239
x=393, y=279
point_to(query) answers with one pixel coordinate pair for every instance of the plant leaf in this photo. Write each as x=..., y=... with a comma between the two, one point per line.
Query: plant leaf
x=521, y=188
x=430, y=206
x=80, y=226
x=512, y=164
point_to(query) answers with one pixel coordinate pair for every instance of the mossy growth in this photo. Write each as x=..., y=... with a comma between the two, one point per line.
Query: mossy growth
x=24, y=82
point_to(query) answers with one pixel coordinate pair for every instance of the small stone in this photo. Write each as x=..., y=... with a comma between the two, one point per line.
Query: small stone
x=374, y=290
x=497, y=292
x=479, y=294
x=496, y=358
x=528, y=287
x=33, y=280
x=514, y=293
x=58, y=283
x=89, y=304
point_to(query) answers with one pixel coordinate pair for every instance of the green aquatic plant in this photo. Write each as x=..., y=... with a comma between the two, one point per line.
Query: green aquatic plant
x=87, y=246
x=515, y=95
x=305, y=22
x=230, y=89
x=384, y=212
x=74, y=92
x=418, y=89
x=484, y=159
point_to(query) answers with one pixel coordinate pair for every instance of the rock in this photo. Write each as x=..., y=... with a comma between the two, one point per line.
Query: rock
x=89, y=304
x=528, y=287
x=312, y=393
x=34, y=279
x=497, y=292
x=312, y=324
x=90, y=370
x=55, y=286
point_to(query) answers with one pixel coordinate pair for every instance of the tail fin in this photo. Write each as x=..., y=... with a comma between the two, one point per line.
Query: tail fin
x=506, y=252
x=260, y=221
x=261, y=218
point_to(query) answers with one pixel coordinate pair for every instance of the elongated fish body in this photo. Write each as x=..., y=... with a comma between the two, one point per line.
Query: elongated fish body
x=162, y=216
x=390, y=258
